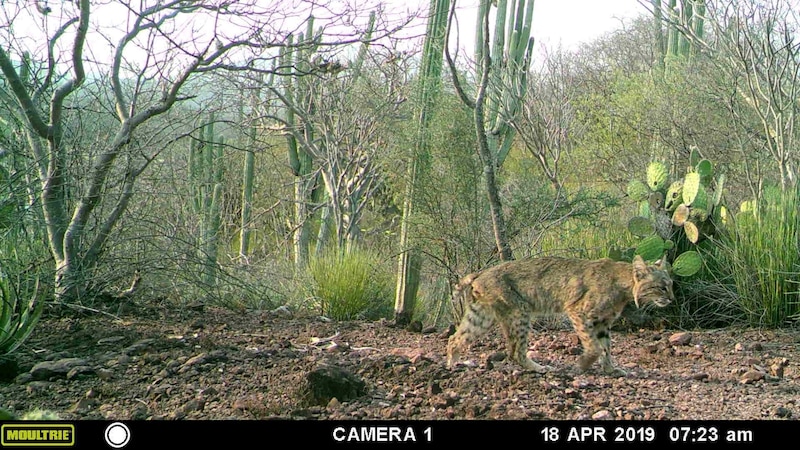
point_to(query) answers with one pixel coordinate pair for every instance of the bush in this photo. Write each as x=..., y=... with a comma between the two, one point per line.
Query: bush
x=352, y=284
x=759, y=254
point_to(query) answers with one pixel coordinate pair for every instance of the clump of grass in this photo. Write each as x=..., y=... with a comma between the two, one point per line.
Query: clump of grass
x=761, y=254
x=350, y=284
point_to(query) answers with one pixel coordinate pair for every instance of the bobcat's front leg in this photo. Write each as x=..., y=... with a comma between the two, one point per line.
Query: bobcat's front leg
x=596, y=340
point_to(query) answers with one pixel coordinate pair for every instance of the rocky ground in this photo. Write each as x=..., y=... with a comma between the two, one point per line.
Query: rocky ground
x=207, y=363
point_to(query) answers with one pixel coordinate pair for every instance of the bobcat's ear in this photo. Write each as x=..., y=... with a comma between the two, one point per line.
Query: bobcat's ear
x=663, y=264
x=639, y=268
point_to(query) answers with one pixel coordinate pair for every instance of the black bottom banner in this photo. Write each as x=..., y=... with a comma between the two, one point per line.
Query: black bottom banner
x=395, y=434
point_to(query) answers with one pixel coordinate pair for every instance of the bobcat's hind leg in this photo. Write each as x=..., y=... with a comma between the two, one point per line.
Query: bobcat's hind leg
x=515, y=326
x=477, y=320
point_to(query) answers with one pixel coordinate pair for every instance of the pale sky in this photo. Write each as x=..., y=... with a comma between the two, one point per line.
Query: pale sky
x=568, y=22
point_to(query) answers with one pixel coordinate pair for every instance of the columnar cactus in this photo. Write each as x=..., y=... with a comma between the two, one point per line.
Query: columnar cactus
x=205, y=180
x=512, y=46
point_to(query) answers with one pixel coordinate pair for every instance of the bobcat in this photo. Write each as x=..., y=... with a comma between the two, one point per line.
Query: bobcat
x=592, y=293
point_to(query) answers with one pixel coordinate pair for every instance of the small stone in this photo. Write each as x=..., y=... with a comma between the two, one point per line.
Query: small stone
x=80, y=371
x=782, y=412
x=429, y=330
x=415, y=326
x=756, y=347
x=682, y=338
x=751, y=376
x=739, y=347
x=699, y=376
x=104, y=374
x=283, y=312
x=195, y=404
x=603, y=414
x=334, y=404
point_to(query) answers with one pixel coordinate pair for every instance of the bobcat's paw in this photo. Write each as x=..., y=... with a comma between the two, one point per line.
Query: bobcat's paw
x=615, y=372
x=536, y=367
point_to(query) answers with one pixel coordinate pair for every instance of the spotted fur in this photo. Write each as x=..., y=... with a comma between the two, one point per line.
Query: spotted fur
x=592, y=293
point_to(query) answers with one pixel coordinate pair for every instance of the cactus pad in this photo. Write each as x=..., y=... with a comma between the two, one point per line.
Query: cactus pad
x=692, y=233
x=687, y=264
x=640, y=226
x=637, y=190
x=674, y=195
x=681, y=215
x=651, y=248
x=691, y=185
x=705, y=169
x=657, y=176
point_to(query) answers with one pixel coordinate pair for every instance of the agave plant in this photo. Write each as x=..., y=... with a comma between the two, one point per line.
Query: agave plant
x=18, y=317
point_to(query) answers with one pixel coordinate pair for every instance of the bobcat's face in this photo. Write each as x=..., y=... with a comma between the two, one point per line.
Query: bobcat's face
x=651, y=284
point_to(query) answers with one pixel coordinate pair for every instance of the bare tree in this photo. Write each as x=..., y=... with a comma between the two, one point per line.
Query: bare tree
x=143, y=55
x=756, y=48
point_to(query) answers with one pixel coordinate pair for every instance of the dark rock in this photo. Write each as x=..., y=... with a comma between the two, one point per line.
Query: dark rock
x=47, y=370
x=328, y=381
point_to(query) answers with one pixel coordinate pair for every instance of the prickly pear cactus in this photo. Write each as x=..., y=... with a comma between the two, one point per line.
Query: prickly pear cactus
x=675, y=215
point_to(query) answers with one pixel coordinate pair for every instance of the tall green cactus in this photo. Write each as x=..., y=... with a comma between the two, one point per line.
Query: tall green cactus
x=409, y=260
x=512, y=46
x=689, y=15
x=205, y=180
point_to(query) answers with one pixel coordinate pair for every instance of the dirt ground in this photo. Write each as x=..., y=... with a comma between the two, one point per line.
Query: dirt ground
x=208, y=363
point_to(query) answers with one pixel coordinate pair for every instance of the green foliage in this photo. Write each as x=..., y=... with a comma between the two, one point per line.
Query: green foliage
x=759, y=253
x=18, y=315
x=350, y=284
x=677, y=212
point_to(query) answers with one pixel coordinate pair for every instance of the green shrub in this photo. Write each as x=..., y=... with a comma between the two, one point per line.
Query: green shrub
x=352, y=284
x=18, y=316
x=759, y=253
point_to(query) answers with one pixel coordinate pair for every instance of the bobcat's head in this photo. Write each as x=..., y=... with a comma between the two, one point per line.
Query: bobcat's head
x=651, y=283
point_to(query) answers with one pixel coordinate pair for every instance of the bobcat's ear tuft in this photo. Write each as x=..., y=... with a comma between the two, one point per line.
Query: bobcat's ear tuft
x=663, y=264
x=639, y=268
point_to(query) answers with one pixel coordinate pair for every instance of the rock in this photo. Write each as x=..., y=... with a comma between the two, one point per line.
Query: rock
x=139, y=347
x=282, y=311
x=415, y=326
x=110, y=340
x=80, y=371
x=84, y=405
x=449, y=331
x=47, y=370
x=751, y=376
x=36, y=387
x=756, y=347
x=429, y=330
x=197, y=359
x=334, y=404
x=328, y=381
x=739, y=347
x=783, y=412
x=105, y=374
x=603, y=414
x=699, y=376
x=776, y=369
x=682, y=338
x=195, y=404
x=434, y=388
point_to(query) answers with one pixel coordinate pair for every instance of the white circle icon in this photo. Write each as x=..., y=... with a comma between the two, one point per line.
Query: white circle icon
x=117, y=435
